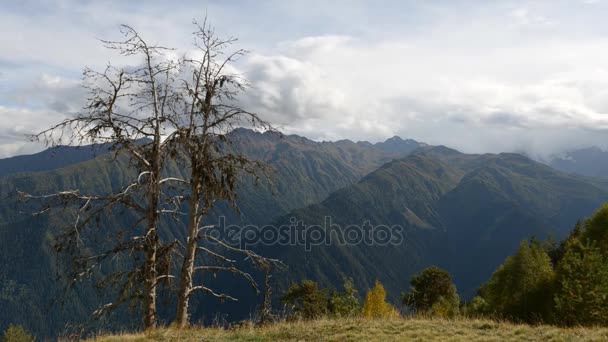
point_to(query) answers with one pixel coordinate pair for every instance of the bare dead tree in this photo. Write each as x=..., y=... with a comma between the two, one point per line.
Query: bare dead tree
x=210, y=103
x=130, y=109
x=164, y=111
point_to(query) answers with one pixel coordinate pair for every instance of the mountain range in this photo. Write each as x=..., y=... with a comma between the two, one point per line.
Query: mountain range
x=463, y=212
x=591, y=161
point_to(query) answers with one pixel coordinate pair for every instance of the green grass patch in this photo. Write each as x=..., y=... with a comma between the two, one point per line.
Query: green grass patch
x=400, y=329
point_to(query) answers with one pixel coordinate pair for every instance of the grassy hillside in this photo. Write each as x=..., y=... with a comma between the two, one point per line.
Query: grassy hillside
x=376, y=330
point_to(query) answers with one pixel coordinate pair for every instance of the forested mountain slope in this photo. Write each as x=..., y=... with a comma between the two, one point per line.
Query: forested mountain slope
x=302, y=172
x=465, y=213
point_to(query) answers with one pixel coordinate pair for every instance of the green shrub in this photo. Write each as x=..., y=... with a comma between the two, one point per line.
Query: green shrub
x=306, y=300
x=478, y=307
x=445, y=307
x=16, y=333
x=433, y=292
x=345, y=304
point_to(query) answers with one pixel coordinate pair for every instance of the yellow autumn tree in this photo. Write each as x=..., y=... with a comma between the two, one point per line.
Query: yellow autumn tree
x=375, y=305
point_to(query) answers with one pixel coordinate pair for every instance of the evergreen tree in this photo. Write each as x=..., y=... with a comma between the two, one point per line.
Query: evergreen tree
x=433, y=292
x=306, y=300
x=345, y=304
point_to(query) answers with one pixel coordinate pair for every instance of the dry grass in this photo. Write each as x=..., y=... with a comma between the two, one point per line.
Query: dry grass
x=408, y=329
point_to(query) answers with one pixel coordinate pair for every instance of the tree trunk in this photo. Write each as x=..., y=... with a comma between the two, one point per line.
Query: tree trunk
x=149, y=300
x=185, y=284
x=266, y=315
x=151, y=247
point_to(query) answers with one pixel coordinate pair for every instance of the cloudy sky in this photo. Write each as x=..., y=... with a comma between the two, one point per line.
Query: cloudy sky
x=480, y=76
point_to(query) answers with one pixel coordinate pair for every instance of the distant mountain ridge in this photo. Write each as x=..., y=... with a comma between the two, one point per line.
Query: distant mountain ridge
x=590, y=161
x=398, y=145
x=51, y=159
x=62, y=156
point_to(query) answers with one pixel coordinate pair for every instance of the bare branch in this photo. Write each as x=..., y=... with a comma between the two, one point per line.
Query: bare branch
x=211, y=292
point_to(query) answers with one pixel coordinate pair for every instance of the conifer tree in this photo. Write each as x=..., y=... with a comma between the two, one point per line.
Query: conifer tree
x=433, y=292
x=306, y=300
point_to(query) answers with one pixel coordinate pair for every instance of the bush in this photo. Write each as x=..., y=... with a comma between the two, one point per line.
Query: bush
x=345, y=304
x=306, y=300
x=375, y=305
x=445, y=307
x=478, y=307
x=16, y=333
x=433, y=292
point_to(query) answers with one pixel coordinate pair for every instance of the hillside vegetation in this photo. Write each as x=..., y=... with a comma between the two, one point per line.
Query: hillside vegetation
x=417, y=329
x=304, y=172
x=457, y=210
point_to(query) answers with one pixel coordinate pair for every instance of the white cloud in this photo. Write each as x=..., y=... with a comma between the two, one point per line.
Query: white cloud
x=17, y=124
x=525, y=19
x=478, y=76
x=423, y=89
